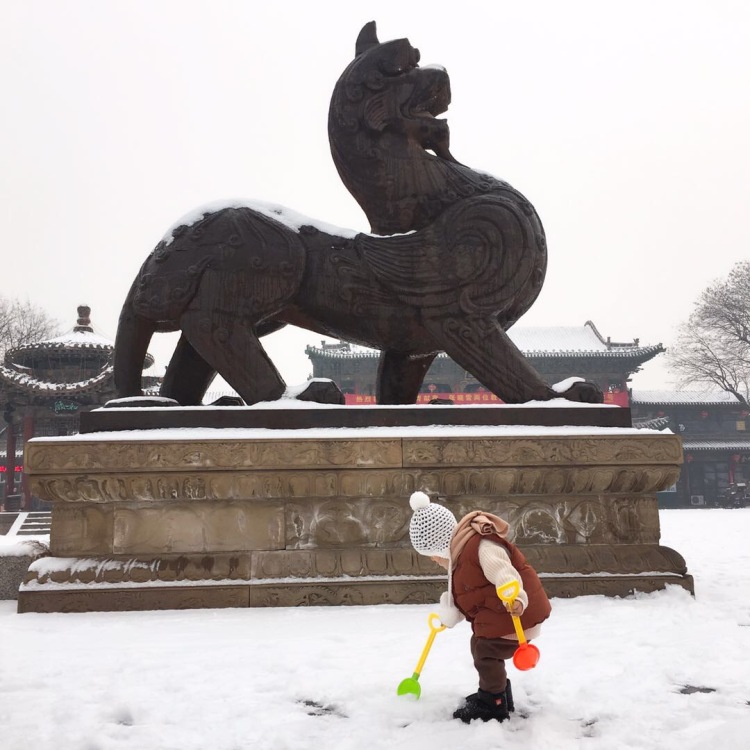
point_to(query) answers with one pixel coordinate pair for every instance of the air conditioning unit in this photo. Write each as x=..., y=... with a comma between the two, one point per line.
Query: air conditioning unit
x=697, y=500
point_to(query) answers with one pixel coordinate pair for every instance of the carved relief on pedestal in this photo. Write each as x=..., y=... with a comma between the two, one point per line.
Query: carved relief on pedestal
x=179, y=455
x=115, y=569
x=561, y=519
x=329, y=563
x=633, y=559
x=548, y=451
x=345, y=523
x=413, y=592
x=154, y=485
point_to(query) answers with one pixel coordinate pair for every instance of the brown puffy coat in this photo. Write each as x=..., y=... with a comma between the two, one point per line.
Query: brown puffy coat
x=477, y=598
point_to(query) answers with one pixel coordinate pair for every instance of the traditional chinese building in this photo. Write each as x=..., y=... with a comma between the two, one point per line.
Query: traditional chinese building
x=714, y=427
x=45, y=386
x=556, y=353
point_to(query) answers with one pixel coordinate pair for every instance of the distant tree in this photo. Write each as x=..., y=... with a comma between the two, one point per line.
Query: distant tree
x=23, y=322
x=713, y=346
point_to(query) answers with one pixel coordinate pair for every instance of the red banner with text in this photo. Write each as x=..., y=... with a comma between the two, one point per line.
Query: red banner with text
x=616, y=397
x=425, y=398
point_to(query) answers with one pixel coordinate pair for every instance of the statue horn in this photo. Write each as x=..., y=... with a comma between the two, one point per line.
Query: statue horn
x=367, y=39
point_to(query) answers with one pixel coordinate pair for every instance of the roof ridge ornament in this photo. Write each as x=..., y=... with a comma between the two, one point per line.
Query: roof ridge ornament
x=83, y=323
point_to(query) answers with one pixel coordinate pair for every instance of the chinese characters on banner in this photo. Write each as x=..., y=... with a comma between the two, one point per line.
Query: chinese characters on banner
x=425, y=398
x=616, y=397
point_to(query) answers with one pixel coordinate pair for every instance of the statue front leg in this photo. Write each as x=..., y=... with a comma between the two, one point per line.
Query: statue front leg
x=228, y=344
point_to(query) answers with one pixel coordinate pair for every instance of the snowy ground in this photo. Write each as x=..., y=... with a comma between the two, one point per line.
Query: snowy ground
x=610, y=676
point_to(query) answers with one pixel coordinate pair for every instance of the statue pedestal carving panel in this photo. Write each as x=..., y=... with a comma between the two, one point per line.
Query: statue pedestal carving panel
x=235, y=518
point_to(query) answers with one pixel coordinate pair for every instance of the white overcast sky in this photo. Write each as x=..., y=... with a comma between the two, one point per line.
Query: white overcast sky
x=626, y=124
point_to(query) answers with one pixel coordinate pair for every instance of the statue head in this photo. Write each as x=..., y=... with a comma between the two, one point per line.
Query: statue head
x=383, y=128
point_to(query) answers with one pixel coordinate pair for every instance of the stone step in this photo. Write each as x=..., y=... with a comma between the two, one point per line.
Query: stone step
x=33, y=523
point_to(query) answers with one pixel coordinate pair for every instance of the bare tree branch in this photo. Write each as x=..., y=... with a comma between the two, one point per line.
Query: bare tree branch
x=713, y=345
x=23, y=322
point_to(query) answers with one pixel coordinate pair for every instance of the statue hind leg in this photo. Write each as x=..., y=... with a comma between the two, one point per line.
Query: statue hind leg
x=229, y=345
x=188, y=375
x=400, y=377
x=485, y=350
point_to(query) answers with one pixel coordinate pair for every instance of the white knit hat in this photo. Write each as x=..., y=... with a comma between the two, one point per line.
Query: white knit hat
x=431, y=526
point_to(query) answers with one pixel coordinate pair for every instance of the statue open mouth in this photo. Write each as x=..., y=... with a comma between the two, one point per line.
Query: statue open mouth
x=432, y=95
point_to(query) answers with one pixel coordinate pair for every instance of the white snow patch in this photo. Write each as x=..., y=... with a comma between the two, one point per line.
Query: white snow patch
x=566, y=384
x=135, y=400
x=342, y=433
x=14, y=546
x=283, y=215
x=610, y=675
x=288, y=402
x=79, y=338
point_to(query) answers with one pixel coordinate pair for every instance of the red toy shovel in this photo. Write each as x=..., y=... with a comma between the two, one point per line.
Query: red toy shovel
x=527, y=654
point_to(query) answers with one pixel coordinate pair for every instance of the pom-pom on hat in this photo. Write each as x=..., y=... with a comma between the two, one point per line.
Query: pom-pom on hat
x=431, y=526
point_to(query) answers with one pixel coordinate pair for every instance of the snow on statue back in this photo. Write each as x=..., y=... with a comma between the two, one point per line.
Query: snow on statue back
x=457, y=257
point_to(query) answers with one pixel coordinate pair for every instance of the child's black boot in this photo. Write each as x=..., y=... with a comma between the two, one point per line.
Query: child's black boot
x=509, y=698
x=485, y=706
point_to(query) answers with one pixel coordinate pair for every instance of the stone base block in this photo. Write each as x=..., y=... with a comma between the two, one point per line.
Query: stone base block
x=155, y=519
x=314, y=577
x=97, y=599
x=94, y=598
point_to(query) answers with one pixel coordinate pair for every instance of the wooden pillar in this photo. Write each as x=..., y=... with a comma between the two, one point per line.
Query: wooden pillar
x=28, y=433
x=10, y=452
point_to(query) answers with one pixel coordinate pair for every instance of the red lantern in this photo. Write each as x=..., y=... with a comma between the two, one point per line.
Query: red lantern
x=704, y=414
x=689, y=458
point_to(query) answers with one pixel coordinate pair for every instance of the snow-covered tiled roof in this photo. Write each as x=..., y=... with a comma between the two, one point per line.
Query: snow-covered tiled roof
x=683, y=397
x=73, y=339
x=79, y=338
x=19, y=372
x=12, y=378
x=718, y=444
x=555, y=341
x=656, y=423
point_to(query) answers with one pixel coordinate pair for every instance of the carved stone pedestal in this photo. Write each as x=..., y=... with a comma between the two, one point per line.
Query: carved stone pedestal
x=157, y=519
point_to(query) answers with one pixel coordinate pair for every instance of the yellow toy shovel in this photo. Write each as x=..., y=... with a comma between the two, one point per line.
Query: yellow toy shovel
x=411, y=686
x=527, y=654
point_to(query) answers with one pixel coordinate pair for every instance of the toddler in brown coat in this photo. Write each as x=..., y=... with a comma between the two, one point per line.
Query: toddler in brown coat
x=479, y=559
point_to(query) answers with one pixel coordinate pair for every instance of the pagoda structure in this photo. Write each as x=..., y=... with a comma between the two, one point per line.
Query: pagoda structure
x=556, y=353
x=44, y=387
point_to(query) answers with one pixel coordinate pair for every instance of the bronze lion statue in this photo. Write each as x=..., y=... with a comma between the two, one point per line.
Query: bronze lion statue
x=454, y=258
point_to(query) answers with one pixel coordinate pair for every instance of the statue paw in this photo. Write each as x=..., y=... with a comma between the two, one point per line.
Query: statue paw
x=584, y=392
x=320, y=391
